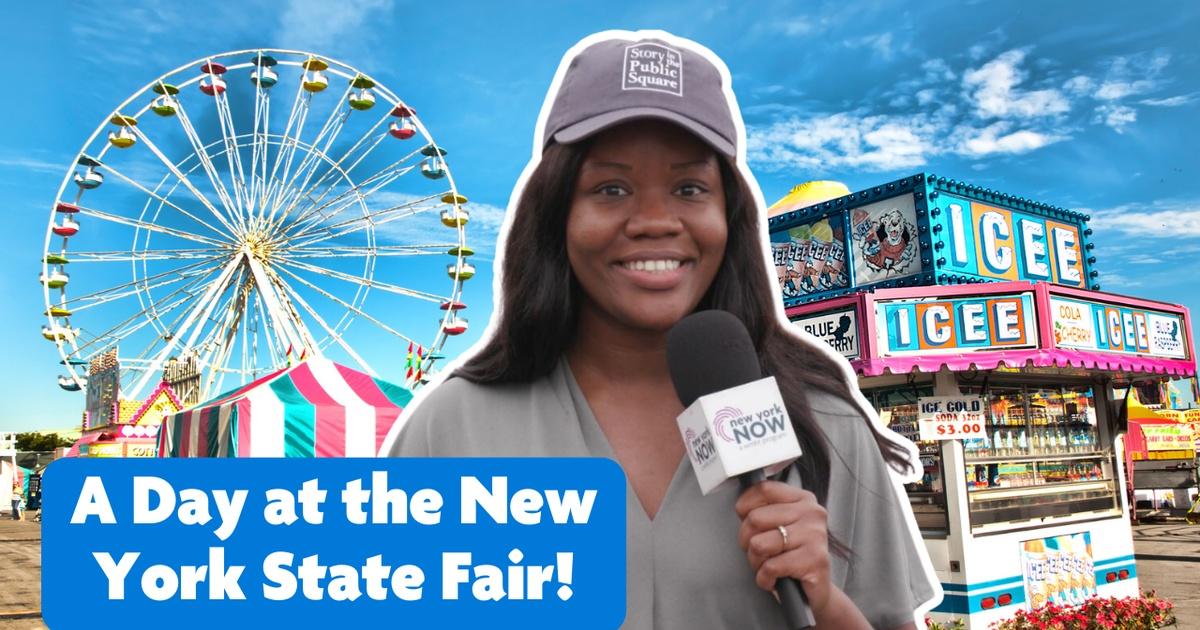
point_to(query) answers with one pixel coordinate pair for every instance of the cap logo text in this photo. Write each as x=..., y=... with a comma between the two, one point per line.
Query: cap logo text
x=653, y=67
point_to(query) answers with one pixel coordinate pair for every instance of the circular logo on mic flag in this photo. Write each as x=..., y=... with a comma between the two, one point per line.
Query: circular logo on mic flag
x=721, y=419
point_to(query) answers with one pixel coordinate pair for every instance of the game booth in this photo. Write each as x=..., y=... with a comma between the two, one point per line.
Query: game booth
x=976, y=325
x=1160, y=455
x=315, y=408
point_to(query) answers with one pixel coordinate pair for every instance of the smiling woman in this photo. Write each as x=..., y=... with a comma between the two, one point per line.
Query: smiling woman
x=637, y=212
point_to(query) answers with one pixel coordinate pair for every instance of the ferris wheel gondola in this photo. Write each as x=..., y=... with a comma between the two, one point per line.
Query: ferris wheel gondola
x=255, y=241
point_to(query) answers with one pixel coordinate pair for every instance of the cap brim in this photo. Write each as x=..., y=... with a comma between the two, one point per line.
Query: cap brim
x=585, y=128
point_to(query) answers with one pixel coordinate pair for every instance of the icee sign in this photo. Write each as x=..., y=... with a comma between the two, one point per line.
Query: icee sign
x=335, y=542
x=908, y=326
x=997, y=243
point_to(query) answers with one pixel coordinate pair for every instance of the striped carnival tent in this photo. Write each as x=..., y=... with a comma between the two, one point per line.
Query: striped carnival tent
x=316, y=408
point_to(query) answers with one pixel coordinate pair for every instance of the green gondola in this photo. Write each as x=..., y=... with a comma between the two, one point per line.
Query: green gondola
x=431, y=150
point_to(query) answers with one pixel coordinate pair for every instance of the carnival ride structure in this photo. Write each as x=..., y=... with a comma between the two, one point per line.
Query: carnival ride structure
x=259, y=211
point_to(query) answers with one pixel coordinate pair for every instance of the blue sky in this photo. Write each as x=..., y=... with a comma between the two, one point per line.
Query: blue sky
x=1092, y=108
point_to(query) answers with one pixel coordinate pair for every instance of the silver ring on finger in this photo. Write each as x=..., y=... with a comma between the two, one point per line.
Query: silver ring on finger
x=783, y=532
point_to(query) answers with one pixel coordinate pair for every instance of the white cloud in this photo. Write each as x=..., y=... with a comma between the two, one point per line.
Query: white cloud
x=881, y=43
x=937, y=70
x=1170, y=101
x=1011, y=104
x=997, y=95
x=1118, y=281
x=33, y=164
x=1081, y=84
x=1162, y=219
x=876, y=143
x=994, y=139
x=800, y=26
x=318, y=24
x=1115, y=116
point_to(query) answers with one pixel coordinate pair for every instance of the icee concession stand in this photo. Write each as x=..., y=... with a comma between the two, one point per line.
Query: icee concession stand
x=949, y=298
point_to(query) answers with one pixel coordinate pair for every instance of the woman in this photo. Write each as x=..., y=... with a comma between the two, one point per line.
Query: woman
x=635, y=215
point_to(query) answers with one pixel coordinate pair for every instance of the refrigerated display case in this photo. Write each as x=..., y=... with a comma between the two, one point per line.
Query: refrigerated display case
x=1041, y=458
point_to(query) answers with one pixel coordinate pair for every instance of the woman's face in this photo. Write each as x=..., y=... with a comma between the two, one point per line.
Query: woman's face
x=646, y=229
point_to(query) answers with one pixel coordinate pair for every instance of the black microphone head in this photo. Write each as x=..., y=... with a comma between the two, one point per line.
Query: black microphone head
x=710, y=351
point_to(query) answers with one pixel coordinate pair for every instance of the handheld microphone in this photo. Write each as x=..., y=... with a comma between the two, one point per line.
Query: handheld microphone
x=734, y=423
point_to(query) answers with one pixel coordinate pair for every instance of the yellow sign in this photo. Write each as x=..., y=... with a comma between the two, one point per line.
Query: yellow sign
x=1168, y=437
x=108, y=449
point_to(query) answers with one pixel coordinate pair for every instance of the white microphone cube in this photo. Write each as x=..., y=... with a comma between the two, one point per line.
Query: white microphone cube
x=736, y=431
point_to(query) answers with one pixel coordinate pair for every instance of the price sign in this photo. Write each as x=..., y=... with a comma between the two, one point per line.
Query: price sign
x=951, y=417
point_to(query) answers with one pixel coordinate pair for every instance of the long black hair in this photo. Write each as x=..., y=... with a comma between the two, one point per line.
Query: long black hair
x=540, y=305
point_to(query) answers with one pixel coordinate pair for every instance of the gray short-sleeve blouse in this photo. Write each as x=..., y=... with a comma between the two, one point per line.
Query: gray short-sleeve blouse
x=670, y=586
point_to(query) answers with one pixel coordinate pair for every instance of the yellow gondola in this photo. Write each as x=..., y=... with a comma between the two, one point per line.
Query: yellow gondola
x=55, y=280
x=454, y=198
x=314, y=79
x=165, y=105
x=361, y=99
x=461, y=271
x=455, y=217
x=123, y=137
x=58, y=333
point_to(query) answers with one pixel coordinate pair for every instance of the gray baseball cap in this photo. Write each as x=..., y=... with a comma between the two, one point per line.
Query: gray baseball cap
x=617, y=80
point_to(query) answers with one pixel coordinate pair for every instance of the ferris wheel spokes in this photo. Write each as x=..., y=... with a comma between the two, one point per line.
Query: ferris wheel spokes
x=292, y=331
x=296, y=240
x=366, y=282
x=233, y=154
x=120, y=332
x=315, y=219
x=165, y=201
x=276, y=185
x=332, y=127
x=348, y=306
x=152, y=227
x=369, y=133
x=200, y=150
x=157, y=254
x=234, y=312
x=205, y=305
x=307, y=190
x=105, y=295
x=187, y=183
x=352, y=251
x=379, y=179
x=337, y=338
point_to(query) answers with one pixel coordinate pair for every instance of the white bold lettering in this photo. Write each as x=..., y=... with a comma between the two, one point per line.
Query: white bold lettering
x=93, y=501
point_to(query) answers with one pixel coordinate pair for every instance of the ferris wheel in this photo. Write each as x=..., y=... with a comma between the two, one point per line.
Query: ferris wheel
x=239, y=212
